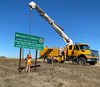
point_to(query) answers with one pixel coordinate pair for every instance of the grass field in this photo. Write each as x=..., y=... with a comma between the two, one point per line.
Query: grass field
x=61, y=75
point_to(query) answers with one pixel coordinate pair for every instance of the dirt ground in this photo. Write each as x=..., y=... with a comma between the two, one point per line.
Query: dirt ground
x=60, y=75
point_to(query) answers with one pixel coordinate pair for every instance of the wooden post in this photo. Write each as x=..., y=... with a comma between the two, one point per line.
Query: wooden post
x=36, y=60
x=20, y=60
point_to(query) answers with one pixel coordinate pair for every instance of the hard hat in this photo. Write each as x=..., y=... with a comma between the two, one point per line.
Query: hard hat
x=64, y=47
x=27, y=54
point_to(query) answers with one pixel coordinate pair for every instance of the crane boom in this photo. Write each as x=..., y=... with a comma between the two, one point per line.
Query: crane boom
x=56, y=27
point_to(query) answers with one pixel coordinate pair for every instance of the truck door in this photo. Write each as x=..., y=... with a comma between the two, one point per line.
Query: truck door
x=76, y=51
x=70, y=51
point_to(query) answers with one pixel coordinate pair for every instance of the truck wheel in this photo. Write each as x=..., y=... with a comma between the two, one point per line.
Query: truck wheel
x=82, y=61
x=46, y=59
x=93, y=63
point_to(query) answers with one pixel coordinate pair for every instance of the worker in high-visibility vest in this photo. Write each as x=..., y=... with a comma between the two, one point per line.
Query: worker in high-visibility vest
x=28, y=63
x=65, y=52
x=49, y=58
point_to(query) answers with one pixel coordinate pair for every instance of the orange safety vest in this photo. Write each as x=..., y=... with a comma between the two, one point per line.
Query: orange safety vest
x=64, y=51
x=49, y=57
x=29, y=60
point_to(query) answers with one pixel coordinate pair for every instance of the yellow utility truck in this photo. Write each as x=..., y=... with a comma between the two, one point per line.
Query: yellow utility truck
x=78, y=52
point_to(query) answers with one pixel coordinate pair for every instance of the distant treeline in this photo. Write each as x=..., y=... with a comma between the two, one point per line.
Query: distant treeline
x=2, y=57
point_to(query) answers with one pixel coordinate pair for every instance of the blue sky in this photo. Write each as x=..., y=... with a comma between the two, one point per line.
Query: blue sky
x=80, y=20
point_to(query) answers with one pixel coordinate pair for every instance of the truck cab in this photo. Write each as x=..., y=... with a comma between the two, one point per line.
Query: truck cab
x=82, y=54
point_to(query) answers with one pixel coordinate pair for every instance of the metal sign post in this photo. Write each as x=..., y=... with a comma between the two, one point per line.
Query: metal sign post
x=20, y=61
x=36, y=60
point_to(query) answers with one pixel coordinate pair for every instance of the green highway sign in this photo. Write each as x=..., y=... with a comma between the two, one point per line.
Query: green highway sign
x=28, y=41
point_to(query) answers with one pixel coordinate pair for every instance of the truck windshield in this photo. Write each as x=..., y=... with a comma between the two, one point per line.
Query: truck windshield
x=84, y=47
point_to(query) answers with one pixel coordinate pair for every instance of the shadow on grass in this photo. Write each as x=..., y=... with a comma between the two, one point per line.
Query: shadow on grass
x=80, y=65
x=30, y=67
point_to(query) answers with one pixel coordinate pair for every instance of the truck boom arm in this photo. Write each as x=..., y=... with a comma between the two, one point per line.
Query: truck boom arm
x=56, y=27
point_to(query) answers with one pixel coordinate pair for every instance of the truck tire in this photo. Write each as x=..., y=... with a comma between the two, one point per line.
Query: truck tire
x=46, y=59
x=81, y=61
x=93, y=63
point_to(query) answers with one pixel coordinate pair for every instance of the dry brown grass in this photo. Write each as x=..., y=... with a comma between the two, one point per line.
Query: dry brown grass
x=62, y=75
x=98, y=62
